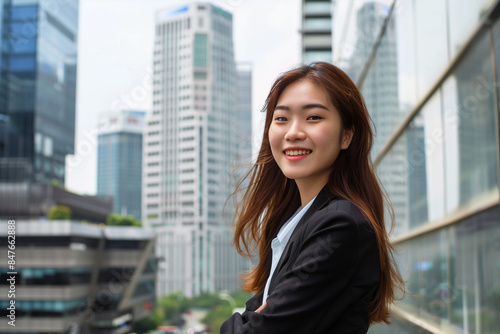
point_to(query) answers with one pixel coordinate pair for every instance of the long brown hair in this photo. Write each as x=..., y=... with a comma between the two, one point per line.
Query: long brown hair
x=270, y=198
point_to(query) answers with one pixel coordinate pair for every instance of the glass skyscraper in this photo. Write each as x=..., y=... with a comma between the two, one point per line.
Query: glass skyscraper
x=119, y=160
x=37, y=88
x=429, y=72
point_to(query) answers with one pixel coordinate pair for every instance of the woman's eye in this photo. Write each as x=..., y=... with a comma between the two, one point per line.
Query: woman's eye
x=314, y=118
x=280, y=119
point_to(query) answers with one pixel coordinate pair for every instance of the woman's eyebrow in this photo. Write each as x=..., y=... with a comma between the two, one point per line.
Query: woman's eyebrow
x=307, y=106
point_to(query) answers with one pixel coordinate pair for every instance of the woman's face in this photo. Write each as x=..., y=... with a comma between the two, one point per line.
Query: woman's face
x=305, y=133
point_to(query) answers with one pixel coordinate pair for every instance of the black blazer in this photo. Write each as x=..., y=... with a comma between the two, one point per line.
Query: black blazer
x=325, y=279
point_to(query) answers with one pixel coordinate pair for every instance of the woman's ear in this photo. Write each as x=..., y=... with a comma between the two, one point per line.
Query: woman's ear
x=346, y=138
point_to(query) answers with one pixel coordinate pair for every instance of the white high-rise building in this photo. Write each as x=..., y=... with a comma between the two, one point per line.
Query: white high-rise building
x=189, y=147
x=317, y=30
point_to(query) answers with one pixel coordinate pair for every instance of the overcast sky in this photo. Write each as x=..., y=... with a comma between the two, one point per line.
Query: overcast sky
x=115, y=50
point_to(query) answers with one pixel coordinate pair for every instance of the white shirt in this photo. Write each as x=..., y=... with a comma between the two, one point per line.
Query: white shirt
x=279, y=243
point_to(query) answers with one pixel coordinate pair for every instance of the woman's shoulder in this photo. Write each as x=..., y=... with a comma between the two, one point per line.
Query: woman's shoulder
x=342, y=210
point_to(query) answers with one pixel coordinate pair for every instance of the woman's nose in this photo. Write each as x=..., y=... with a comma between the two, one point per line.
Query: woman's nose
x=295, y=131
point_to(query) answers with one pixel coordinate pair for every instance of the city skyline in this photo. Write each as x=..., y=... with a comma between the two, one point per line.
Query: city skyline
x=123, y=81
x=115, y=61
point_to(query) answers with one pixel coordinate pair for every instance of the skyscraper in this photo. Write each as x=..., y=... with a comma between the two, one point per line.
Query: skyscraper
x=317, y=30
x=119, y=160
x=37, y=87
x=189, y=147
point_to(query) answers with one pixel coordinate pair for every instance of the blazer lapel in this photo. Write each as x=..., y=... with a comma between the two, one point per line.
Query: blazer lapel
x=324, y=197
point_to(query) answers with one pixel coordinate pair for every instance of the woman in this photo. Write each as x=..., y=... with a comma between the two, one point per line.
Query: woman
x=315, y=211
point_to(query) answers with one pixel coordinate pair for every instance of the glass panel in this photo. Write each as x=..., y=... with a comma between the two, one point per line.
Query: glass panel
x=469, y=122
x=464, y=17
x=22, y=63
x=393, y=174
x=454, y=275
x=200, y=50
x=318, y=24
x=24, y=13
x=426, y=276
x=356, y=28
x=432, y=51
x=412, y=171
x=404, y=16
x=474, y=290
x=315, y=7
x=432, y=161
x=380, y=90
x=425, y=157
x=496, y=41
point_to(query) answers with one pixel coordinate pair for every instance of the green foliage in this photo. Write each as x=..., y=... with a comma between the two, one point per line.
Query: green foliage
x=115, y=219
x=241, y=297
x=173, y=306
x=221, y=307
x=216, y=317
x=59, y=212
x=149, y=323
x=207, y=300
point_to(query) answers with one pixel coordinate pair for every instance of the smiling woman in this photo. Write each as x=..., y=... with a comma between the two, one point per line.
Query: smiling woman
x=315, y=210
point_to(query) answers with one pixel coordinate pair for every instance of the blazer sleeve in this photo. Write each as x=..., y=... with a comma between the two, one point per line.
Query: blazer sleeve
x=317, y=280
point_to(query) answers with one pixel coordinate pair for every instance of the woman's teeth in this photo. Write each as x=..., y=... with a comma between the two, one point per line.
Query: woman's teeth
x=298, y=152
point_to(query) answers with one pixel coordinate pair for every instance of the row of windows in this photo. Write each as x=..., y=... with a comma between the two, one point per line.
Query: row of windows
x=44, y=308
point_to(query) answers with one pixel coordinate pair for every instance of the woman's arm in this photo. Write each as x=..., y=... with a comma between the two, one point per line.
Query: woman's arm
x=320, y=278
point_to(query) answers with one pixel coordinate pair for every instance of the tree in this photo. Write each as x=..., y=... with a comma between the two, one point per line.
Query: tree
x=173, y=306
x=59, y=212
x=149, y=323
x=115, y=219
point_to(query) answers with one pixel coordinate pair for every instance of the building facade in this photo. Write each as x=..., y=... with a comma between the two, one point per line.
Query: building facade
x=317, y=30
x=429, y=72
x=77, y=278
x=119, y=160
x=38, y=87
x=189, y=148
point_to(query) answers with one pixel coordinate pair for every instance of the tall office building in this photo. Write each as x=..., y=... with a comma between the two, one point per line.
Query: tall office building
x=428, y=71
x=119, y=160
x=37, y=88
x=317, y=30
x=189, y=147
